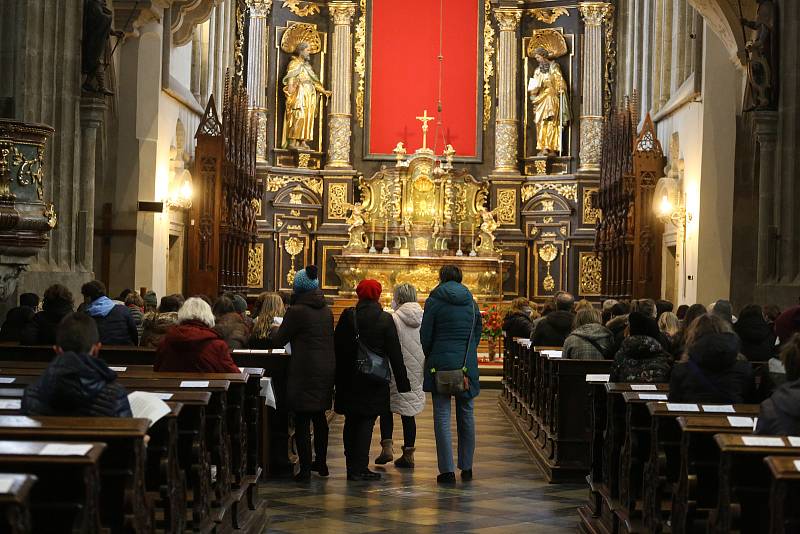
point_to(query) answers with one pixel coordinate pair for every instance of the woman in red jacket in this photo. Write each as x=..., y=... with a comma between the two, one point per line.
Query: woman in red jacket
x=192, y=345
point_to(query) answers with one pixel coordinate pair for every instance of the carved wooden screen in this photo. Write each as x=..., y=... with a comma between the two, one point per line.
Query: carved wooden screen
x=223, y=222
x=629, y=234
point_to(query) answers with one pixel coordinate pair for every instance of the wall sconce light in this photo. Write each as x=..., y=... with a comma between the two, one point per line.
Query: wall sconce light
x=669, y=202
x=180, y=196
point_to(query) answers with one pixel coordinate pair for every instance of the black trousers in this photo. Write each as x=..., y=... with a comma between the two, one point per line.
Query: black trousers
x=409, y=428
x=357, y=436
x=302, y=436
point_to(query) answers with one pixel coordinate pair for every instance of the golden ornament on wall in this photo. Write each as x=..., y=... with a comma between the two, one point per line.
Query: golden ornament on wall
x=301, y=33
x=337, y=201
x=548, y=15
x=590, y=274
x=301, y=8
x=359, y=61
x=551, y=40
x=488, y=63
x=293, y=246
x=590, y=214
x=255, y=266
x=568, y=191
x=506, y=206
x=548, y=253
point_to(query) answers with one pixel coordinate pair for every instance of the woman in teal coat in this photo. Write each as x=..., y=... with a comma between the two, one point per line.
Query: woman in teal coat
x=451, y=331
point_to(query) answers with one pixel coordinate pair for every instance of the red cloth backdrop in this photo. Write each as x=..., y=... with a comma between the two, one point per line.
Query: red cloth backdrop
x=405, y=74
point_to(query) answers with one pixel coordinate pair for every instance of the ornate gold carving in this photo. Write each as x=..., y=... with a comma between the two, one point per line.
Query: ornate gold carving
x=314, y=184
x=259, y=8
x=551, y=40
x=276, y=183
x=13, y=163
x=337, y=201
x=255, y=265
x=341, y=14
x=301, y=32
x=301, y=8
x=51, y=215
x=548, y=253
x=302, y=160
x=488, y=63
x=293, y=246
x=591, y=141
x=590, y=268
x=238, y=55
x=568, y=191
x=611, y=63
x=508, y=19
x=506, y=146
x=256, y=204
x=547, y=205
x=548, y=15
x=590, y=213
x=295, y=197
x=421, y=243
x=339, y=147
x=360, y=62
x=506, y=206
x=540, y=166
x=261, y=136
x=594, y=13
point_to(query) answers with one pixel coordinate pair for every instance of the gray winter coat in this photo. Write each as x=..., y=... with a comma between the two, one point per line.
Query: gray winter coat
x=407, y=319
x=589, y=342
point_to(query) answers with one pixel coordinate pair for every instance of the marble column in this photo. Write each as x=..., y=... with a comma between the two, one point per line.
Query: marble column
x=765, y=125
x=594, y=14
x=92, y=111
x=506, y=129
x=257, y=56
x=339, y=115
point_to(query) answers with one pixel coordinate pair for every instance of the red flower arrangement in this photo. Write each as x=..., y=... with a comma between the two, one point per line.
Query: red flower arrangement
x=492, y=322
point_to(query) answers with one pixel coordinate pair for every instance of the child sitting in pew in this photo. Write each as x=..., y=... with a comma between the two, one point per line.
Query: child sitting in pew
x=780, y=414
x=77, y=382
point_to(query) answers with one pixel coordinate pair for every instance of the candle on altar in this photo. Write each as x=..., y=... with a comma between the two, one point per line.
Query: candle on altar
x=459, y=252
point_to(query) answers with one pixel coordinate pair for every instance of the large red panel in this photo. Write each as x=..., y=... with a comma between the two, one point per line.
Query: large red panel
x=405, y=74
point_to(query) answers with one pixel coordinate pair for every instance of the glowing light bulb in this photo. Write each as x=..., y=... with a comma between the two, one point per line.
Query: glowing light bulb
x=186, y=190
x=665, y=208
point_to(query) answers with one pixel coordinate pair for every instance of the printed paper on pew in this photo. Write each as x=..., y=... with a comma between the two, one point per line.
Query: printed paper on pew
x=118, y=369
x=279, y=351
x=598, y=378
x=644, y=387
x=10, y=404
x=147, y=405
x=797, y=464
x=65, y=449
x=163, y=396
x=675, y=407
x=6, y=482
x=551, y=353
x=7, y=379
x=758, y=441
x=724, y=408
x=794, y=441
x=652, y=396
x=740, y=422
x=194, y=383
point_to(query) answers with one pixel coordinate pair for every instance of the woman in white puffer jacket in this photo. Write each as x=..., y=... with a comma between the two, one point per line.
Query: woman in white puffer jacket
x=407, y=318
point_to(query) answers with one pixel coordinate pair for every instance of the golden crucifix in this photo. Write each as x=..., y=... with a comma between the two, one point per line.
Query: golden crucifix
x=424, y=118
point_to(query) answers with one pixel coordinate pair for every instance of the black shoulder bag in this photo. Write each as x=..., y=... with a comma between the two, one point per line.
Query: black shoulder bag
x=371, y=365
x=456, y=381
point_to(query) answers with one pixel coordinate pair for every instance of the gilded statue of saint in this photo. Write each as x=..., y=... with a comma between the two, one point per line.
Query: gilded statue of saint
x=300, y=85
x=548, y=92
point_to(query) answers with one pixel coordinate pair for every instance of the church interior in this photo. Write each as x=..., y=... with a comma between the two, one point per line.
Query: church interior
x=591, y=203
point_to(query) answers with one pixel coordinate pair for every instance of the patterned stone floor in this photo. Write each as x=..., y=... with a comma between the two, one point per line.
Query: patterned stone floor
x=508, y=494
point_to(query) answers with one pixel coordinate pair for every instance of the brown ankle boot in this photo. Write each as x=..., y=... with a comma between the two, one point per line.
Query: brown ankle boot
x=407, y=460
x=387, y=455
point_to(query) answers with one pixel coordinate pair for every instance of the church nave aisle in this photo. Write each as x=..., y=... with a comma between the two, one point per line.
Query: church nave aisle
x=508, y=494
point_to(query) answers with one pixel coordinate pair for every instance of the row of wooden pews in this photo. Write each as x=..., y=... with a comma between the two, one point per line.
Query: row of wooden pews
x=197, y=468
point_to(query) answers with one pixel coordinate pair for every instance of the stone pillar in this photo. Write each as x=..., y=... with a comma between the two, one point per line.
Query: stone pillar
x=506, y=135
x=593, y=13
x=340, y=115
x=766, y=126
x=92, y=111
x=257, y=56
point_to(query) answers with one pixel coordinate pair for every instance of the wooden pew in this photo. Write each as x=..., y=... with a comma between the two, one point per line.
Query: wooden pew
x=66, y=495
x=663, y=464
x=784, y=514
x=15, y=514
x=123, y=502
x=695, y=493
x=590, y=513
x=744, y=481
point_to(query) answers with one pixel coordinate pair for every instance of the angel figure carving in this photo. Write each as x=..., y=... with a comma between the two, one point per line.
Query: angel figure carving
x=548, y=93
x=355, y=226
x=485, y=244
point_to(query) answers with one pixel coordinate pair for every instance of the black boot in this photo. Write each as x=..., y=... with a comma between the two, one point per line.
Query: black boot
x=320, y=467
x=365, y=475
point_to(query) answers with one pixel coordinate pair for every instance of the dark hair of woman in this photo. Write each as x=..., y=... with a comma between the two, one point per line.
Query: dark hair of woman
x=449, y=273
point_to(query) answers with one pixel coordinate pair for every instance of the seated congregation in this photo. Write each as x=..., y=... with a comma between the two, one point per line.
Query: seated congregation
x=681, y=421
x=158, y=412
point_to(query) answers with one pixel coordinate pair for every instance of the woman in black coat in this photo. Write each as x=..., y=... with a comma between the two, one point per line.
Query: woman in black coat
x=308, y=326
x=518, y=322
x=756, y=335
x=57, y=304
x=360, y=399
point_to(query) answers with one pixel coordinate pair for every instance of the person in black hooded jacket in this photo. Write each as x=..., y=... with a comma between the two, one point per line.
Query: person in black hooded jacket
x=780, y=414
x=517, y=322
x=56, y=305
x=712, y=371
x=641, y=358
x=77, y=382
x=758, y=339
x=552, y=329
x=19, y=317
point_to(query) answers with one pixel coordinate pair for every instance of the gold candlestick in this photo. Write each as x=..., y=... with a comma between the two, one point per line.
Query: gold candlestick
x=386, y=237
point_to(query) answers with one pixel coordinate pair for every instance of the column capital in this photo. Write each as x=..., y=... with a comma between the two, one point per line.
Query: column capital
x=342, y=13
x=595, y=13
x=508, y=19
x=259, y=9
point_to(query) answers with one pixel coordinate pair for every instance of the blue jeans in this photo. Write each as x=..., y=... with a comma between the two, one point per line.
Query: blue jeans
x=465, y=425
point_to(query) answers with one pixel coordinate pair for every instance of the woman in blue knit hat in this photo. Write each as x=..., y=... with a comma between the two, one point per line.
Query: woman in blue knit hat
x=308, y=326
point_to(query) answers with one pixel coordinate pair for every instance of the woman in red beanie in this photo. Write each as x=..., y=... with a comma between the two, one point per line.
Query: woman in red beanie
x=358, y=398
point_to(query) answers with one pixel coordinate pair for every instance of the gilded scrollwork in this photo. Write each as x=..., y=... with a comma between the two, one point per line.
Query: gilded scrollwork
x=255, y=266
x=594, y=13
x=611, y=63
x=301, y=8
x=337, y=201
x=314, y=185
x=27, y=170
x=508, y=19
x=293, y=246
x=548, y=253
x=590, y=267
x=506, y=206
x=259, y=8
x=591, y=140
x=238, y=55
x=277, y=182
x=360, y=62
x=488, y=63
x=568, y=191
x=339, y=147
x=548, y=15
x=506, y=146
x=590, y=213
